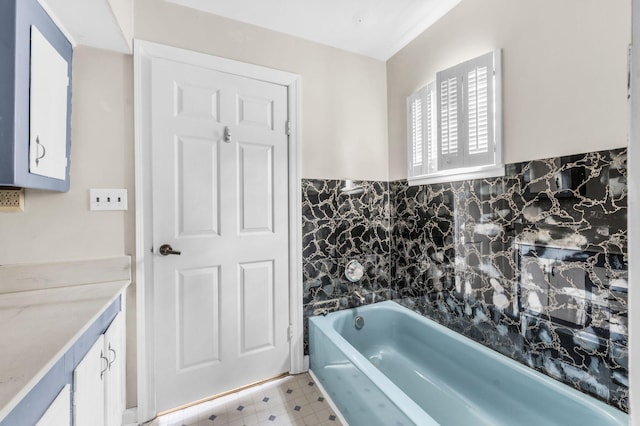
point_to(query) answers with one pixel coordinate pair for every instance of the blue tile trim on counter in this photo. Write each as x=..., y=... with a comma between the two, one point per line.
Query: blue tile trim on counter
x=532, y=264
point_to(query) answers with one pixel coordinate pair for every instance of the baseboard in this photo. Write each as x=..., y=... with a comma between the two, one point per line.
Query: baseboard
x=305, y=363
x=130, y=417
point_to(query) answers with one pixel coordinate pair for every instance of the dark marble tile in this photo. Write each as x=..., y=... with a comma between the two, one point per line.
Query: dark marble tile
x=319, y=199
x=532, y=264
x=534, y=257
x=318, y=239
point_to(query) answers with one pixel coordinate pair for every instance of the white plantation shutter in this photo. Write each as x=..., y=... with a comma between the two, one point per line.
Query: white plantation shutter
x=449, y=116
x=450, y=155
x=454, y=123
x=417, y=136
x=431, y=126
x=479, y=85
x=466, y=117
x=421, y=136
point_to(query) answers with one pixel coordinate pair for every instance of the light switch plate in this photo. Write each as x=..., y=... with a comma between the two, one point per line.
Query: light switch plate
x=12, y=200
x=108, y=199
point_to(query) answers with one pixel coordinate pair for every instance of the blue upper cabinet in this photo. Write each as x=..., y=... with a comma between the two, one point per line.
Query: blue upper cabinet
x=35, y=98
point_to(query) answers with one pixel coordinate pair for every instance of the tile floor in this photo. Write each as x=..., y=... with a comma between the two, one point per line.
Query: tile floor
x=291, y=401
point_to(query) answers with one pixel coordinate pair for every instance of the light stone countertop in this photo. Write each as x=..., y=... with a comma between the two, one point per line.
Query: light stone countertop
x=38, y=327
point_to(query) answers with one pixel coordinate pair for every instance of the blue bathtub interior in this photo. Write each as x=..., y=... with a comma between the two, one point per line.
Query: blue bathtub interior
x=403, y=369
x=532, y=264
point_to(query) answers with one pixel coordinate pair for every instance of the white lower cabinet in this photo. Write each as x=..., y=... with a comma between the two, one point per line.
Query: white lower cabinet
x=88, y=385
x=114, y=377
x=98, y=397
x=59, y=412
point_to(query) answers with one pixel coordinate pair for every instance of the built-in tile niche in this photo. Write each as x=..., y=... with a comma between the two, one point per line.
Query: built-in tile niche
x=533, y=264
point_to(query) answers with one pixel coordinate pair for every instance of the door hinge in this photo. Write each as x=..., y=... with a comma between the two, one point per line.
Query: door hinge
x=288, y=128
x=290, y=332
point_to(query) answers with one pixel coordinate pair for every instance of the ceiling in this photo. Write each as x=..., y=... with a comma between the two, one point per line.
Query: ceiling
x=88, y=22
x=374, y=28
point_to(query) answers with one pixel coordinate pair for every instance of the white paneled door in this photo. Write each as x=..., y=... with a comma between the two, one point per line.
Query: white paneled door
x=220, y=198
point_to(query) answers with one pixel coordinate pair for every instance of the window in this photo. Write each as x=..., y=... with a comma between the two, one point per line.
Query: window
x=453, y=124
x=422, y=124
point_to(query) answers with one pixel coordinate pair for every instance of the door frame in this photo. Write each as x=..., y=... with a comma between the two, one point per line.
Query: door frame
x=144, y=52
x=633, y=223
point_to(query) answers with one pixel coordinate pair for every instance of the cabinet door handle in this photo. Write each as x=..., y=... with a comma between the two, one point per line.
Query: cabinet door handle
x=114, y=356
x=44, y=151
x=106, y=365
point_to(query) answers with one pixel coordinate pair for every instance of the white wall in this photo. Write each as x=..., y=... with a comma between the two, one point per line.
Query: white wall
x=344, y=107
x=564, y=73
x=344, y=112
x=59, y=226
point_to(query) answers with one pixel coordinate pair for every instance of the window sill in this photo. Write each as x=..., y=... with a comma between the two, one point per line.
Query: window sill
x=456, y=175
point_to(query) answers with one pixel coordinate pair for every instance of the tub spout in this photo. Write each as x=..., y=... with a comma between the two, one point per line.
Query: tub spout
x=360, y=297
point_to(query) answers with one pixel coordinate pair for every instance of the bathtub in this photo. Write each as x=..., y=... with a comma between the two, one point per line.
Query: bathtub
x=401, y=369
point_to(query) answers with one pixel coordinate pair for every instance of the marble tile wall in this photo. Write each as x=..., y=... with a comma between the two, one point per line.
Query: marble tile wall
x=532, y=264
x=337, y=228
